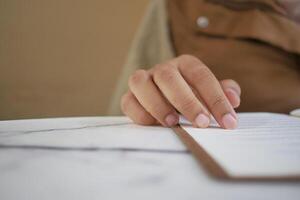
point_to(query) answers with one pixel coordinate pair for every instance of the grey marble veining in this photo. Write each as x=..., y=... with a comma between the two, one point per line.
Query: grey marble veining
x=111, y=132
x=28, y=126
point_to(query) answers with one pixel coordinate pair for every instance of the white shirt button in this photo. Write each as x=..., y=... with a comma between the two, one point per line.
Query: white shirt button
x=202, y=22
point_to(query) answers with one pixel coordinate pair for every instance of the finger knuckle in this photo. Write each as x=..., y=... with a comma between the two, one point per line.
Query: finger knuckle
x=218, y=100
x=164, y=72
x=188, y=57
x=138, y=77
x=187, y=104
x=189, y=62
x=201, y=74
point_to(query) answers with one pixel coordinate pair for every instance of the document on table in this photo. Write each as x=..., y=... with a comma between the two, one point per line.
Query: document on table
x=263, y=145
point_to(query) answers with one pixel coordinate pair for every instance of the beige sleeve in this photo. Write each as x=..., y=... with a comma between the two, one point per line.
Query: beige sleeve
x=151, y=45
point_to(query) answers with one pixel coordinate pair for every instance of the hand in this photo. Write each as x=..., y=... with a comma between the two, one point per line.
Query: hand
x=183, y=84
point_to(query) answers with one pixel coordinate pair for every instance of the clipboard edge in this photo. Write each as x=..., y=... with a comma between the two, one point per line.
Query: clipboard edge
x=214, y=169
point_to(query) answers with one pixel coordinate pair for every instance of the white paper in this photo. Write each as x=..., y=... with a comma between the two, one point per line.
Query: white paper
x=264, y=144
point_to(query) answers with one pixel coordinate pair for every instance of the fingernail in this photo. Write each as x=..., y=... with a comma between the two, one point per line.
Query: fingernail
x=202, y=121
x=171, y=120
x=235, y=95
x=229, y=121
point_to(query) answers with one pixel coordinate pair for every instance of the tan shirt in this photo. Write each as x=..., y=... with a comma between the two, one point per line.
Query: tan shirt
x=255, y=44
x=258, y=46
x=151, y=45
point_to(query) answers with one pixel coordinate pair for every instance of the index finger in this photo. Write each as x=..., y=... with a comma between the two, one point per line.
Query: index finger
x=202, y=79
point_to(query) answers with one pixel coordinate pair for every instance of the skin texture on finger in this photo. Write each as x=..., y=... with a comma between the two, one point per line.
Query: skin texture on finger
x=179, y=94
x=149, y=96
x=202, y=79
x=232, y=94
x=135, y=111
x=232, y=91
x=201, y=100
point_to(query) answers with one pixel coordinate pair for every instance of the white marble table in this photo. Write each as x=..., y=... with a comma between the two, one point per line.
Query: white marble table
x=110, y=158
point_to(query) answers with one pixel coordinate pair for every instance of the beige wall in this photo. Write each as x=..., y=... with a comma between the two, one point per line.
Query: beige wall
x=62, y=57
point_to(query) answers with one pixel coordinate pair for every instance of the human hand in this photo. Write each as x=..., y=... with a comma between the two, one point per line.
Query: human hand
x=183, y=84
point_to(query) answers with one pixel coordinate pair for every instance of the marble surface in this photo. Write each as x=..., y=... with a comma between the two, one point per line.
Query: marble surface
x=110, y=158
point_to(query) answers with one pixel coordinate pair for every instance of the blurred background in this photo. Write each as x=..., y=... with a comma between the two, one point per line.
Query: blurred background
x=63, y=57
